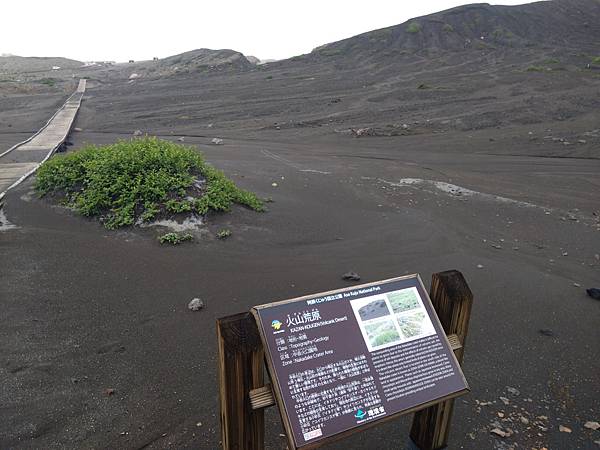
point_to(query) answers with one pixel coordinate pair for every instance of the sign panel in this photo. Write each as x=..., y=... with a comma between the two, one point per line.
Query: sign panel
x=349, y=358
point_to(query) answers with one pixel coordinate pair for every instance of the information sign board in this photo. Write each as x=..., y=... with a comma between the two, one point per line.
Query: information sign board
x=347, y=359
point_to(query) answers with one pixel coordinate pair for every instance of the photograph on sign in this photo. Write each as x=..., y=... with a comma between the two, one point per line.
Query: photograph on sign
x=346, y=359
x=393, y=318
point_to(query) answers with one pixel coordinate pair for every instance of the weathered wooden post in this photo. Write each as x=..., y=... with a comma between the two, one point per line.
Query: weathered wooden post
x=241, y=369
x=452, y=300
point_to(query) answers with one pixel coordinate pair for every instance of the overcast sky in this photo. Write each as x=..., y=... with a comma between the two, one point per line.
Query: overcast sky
x=140, y=29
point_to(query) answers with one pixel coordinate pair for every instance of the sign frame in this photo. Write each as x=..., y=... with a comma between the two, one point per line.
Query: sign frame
x=279, y=401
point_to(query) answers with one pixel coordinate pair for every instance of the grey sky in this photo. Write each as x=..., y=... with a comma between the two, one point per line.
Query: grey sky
x=124, y=29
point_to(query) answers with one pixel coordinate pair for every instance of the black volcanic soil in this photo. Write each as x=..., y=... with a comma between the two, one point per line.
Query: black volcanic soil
x=24, y=113
x=488, y=168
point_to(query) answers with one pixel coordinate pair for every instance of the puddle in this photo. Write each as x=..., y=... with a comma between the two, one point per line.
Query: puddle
x=5, y=225
x=457, y=191
x=316, y=171
x=189, y=224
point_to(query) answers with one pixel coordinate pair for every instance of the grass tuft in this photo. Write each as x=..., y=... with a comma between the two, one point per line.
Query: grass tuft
x=413, y=27
x=536, y=69
x=48, y=81
x=223, y=234
x=139, y=180
x=174, y=238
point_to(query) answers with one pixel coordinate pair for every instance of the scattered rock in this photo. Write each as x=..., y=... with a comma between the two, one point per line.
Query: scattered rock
x=359, y=132
x=196, y=304
x=480, y=266
x=111, y=347
x=499, y=432
x=564, y=429
x=181, y=139
x=513, y=390
x=351, y=276
x=546, y=332
x=592, y=425
x=274, y=184
x=137, y=133
x=594, y=293
x=199, y=424
x=216, y=141
x=504, y=400
x=524, y=420
x=109, y=391
x=77, y=129
x=133, y=76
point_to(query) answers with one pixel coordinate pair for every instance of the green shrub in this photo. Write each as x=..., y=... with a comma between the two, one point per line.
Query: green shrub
x=174, y=238
x=139, y=180
x=447, y=28
x=48, y=81
x=224, y=234
x=330, y=51
x=413, y=27
x=536, y=69
x=596, y=60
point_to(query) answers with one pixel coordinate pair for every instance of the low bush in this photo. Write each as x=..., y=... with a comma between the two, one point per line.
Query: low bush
x=139, y=180
x=174, y=238
x=48, y=81
x=223, y=234
x=413, y=27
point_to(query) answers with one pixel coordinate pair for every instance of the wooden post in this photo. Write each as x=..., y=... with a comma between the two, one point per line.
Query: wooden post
x=452, y=300
x=241, y=369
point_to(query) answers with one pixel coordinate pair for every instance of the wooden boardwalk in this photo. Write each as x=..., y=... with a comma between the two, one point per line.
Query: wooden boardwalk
x=23, y=159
